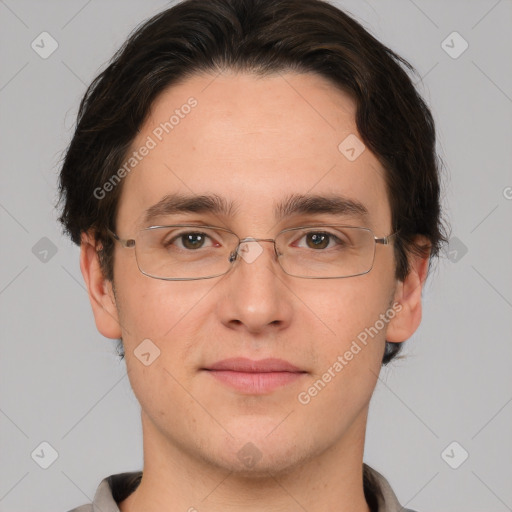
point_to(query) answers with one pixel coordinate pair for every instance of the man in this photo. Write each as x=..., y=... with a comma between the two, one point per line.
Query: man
x=255, y=191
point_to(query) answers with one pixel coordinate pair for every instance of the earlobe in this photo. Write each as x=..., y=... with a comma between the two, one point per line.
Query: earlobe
x=100, y=289
x=408, y=295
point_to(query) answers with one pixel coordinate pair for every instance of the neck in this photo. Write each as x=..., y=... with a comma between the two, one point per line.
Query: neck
x=177, y=479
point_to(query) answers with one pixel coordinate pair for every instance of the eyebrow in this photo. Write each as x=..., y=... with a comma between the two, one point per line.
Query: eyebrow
x=294, y=204
x=315, y=204
x=178, y=203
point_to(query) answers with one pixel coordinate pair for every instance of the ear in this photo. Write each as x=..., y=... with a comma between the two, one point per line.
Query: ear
x=101, y=293
x=408, y=295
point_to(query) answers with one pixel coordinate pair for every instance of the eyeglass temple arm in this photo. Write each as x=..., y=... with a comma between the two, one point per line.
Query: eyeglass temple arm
x=125, y=243
x=385, y=240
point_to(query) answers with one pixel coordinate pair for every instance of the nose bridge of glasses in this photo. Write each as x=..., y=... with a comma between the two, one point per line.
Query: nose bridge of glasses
x=248, y=251
x=252, y=239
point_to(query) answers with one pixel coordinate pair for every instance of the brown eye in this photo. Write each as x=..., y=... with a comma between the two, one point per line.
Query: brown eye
x=187, y=240
x=320, y=241
x=193, y=240
x=317, y=240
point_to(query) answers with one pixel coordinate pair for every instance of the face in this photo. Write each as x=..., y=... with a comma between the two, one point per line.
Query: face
x=254, y=142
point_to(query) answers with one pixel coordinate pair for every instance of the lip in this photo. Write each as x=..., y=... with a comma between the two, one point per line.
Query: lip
x=243, y=364
x=254, y=377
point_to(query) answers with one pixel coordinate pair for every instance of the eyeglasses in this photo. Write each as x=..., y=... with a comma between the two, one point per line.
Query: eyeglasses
x=184, y=252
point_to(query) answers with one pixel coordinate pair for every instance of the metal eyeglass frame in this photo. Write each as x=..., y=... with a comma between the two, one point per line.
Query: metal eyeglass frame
x=130, y=243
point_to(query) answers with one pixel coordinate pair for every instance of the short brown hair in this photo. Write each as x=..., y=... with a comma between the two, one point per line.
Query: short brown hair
x=261, y=37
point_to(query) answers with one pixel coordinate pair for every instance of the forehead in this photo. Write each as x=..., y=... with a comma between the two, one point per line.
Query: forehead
x=253, y=140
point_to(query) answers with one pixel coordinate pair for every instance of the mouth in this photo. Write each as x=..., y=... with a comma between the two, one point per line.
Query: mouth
x=254, y=377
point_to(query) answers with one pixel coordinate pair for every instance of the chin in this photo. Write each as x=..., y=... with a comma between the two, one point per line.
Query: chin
x=259, y=456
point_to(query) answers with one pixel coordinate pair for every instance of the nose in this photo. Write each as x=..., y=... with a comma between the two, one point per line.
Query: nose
x=254, y=296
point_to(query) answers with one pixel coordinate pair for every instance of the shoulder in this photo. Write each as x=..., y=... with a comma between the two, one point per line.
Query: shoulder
x=379, y=494
x=111, y=491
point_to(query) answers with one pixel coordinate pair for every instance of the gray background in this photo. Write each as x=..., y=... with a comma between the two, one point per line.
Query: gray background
x=61, y=381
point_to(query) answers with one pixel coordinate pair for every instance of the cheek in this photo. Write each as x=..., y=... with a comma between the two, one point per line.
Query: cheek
x=160, y=318
x=345, y=309
x=153, y=308
x=349, y=355
x=161, y=390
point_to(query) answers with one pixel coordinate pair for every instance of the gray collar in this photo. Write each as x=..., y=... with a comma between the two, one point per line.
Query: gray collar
x=121, y=485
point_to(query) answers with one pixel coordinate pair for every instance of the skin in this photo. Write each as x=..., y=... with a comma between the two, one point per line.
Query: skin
x=252, y=140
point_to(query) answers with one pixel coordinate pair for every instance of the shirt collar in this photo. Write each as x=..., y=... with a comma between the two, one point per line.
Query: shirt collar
x=116, y=488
